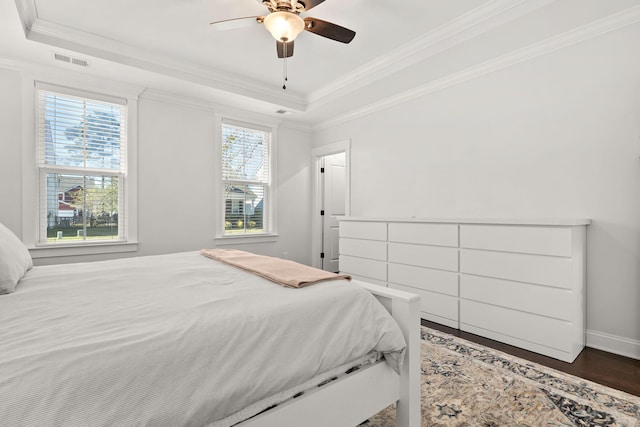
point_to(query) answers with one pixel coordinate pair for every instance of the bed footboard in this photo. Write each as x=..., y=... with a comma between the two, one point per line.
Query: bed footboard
x=345, y=402
x=405, y=308
x=352, y=399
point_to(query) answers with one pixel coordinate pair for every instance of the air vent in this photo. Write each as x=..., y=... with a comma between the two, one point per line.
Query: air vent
x=284, y=112
x=62, y=58
x=80, y=62
x=71, y=60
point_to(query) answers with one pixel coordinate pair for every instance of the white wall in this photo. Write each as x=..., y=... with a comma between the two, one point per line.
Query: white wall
x=177, y=187
x=10, y=151
x=557, y=136
x=176, y=177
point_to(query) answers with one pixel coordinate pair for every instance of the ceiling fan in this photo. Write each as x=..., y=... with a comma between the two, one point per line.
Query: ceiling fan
x=285, y=24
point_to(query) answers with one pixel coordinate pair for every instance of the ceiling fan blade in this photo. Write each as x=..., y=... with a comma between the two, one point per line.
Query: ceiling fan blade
x=309, y=4
x=281, y=48
x=231, y=24
x=329, y=30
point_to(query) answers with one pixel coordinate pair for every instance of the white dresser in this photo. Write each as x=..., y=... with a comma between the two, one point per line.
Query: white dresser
x=515, y=281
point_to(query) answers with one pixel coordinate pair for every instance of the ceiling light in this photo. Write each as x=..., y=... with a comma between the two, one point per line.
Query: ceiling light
x=284, y=26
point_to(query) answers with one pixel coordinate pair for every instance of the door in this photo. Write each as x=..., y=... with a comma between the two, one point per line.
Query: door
x=333, y=204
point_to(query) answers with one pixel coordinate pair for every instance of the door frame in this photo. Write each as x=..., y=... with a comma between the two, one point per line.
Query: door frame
x=316, y=195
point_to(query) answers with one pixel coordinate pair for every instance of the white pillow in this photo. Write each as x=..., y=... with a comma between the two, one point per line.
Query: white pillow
x=15, y=260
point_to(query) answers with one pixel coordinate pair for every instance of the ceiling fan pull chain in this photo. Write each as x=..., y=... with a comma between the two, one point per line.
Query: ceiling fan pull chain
x=284, y=84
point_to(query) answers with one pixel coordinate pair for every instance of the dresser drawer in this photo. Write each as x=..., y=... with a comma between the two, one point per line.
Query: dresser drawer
x=364, y=248
x=542, y=300
x=424, y=234
x=364, y=230
x=433, y=306
x=424, y=256
x=540, y=330
x=363, y=267
x=531, y=240
x=444, y=282
x=538, y=269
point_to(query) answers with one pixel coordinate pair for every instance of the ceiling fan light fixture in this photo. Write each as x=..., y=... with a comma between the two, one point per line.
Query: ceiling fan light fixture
x=284, y=26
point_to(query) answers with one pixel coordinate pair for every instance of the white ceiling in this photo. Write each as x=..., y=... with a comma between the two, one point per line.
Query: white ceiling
x=157, y=41
x=180, y=30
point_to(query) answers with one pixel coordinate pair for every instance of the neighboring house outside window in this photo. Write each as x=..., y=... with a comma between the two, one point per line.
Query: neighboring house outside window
x=82, y=165
x=246, y=178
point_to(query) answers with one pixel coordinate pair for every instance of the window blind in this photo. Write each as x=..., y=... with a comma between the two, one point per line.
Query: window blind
x=245, y=154
x=81, y=133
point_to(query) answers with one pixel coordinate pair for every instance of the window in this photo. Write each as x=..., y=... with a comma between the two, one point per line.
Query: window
x=82, y=163
x=246, y=178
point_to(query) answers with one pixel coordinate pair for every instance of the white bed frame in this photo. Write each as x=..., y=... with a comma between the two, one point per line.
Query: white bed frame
x=354, y=398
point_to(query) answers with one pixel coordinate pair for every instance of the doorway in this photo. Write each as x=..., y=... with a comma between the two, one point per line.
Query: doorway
x=331, y=200
x=332, y=205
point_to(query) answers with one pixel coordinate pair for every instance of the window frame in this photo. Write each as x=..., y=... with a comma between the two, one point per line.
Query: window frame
x=105, y=91
x=269, y=205
x=83, y=172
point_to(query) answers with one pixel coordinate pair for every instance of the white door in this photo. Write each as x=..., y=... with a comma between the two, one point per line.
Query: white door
x=333, y=192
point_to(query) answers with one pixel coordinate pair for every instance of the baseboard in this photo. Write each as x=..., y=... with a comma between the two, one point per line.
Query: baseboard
x=613, y=344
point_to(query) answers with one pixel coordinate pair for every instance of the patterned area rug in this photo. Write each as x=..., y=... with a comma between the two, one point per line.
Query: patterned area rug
x=466, y=384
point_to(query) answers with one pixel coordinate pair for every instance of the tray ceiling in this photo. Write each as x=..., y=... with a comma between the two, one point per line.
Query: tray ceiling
x=173, y=38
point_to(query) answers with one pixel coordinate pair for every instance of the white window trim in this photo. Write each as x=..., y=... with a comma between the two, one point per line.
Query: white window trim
x=30, y=175
x=271, y=218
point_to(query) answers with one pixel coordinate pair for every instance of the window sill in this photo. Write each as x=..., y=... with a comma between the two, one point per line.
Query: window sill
x=247, y=239
x=65, y=250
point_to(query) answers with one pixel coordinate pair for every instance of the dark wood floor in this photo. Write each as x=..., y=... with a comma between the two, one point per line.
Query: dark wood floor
x=614, y=371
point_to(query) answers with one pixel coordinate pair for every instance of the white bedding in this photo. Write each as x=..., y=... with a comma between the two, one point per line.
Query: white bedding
x=171, y=340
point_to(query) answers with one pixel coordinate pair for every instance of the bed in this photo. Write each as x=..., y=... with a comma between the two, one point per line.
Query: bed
x=183, y=340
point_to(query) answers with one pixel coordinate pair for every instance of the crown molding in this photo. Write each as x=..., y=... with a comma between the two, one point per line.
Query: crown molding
x=301, y=127
x=467, y=26
x=173, y=98
x=596, y=28
x=215, y=108
x=11, y=64
x=40, y=30
x=209, y=106
x=62, y=76
x=480, y=20
x=28, y=14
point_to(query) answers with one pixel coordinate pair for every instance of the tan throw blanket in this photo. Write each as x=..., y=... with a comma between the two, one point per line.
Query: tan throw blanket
x=281, y=271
